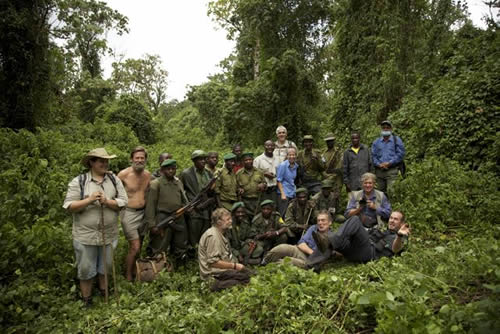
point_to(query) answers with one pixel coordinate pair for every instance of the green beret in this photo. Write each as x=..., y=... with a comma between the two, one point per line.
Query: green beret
x=301, y=190
x=326, y=184
x=168, y=162
x=266, y=202
x=308, y=137
x=229, y=156
x=329, y=137
x=237, y=205
x=247, y=154
x=198, y=154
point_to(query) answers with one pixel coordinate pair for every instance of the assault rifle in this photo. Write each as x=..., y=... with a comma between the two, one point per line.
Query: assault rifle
x=197, y=202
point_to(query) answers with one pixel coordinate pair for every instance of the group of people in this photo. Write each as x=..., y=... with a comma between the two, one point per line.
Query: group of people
x=249, y=211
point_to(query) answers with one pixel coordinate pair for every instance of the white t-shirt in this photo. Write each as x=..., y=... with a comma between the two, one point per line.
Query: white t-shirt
x=267, y=164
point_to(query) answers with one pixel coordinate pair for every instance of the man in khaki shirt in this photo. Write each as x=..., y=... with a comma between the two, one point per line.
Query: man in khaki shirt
x=214, y=254
x=251, y=184
x=91, y=197
x=226, y=188
x=166, y=195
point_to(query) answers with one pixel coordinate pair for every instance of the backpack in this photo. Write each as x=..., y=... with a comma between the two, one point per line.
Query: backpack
x=401, y=166
x=82, y=178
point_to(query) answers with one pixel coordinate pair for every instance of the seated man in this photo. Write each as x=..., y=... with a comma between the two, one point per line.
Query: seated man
x=239, y=234
x=357, y=244
x=305, y=247
x=300, y=215
x=328, y=200
x=370, y=204
x=214, y=254
x=268, y=230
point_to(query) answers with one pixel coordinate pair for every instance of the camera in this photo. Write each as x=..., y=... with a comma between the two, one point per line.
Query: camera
x=362, y=202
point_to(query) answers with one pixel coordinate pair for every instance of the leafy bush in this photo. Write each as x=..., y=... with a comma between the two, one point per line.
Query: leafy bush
x=435, y=286
x=440, y=194
x=131, y=111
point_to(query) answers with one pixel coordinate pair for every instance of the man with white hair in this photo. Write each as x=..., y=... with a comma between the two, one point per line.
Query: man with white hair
x=216, y=261
x=282, y=144
x=370, y=204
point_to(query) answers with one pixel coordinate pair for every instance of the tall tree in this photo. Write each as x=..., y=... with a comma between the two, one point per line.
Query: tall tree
x=32, y=65
x=381, y=49
x=144, y=77
x=24, y=63
x=277, y=64
x=82, y=25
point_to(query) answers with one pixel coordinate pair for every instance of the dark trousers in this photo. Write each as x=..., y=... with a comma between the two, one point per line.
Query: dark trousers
x=353, y=241
x=230, y=278
x=174, y=240
x=283, y=205
x=196, y=227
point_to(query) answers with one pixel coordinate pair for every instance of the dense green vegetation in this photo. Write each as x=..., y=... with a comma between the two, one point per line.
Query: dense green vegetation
x=314, y=66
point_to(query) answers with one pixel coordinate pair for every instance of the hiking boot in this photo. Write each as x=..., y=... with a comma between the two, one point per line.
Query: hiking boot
x=87, y=301
x=321, y=241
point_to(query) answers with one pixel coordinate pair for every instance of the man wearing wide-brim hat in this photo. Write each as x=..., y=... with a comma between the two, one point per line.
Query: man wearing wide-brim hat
x=92, y=196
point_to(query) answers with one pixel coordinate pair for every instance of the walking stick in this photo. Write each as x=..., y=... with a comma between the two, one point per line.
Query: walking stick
x=307, y=222
x=104, y=256
x=114, y=276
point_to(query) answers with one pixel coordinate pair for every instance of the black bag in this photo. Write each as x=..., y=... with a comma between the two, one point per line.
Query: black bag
x=401, y=166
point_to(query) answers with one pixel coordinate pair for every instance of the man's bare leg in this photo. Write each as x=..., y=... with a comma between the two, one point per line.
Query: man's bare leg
x=86, y=288
x=133, y=251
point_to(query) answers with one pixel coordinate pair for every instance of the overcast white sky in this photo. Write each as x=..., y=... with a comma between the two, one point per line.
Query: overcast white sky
x=185, y=38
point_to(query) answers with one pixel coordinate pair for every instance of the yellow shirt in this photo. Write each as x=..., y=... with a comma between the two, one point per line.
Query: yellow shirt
x=356, y=150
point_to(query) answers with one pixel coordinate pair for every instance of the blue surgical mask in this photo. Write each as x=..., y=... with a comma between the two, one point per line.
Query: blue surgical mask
x=385, y=133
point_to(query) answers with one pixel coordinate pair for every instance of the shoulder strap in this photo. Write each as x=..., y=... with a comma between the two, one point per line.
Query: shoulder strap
x=113, y=180
x=82, y=178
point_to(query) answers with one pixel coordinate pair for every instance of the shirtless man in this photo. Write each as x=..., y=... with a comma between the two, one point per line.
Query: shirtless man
x=136, y=180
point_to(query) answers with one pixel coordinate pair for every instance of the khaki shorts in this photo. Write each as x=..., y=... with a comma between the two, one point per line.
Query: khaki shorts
x=131, y=219
x=90, y=259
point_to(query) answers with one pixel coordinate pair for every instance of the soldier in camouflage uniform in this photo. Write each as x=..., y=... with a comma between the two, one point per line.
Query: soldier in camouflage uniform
x=165, y=196
x=328, y=199
x=300, y=214
x=332, y=158
x=163, y=156
x=267, y=229
x=240, y=234
x=251, y=184
x=311, y=165
x=194, y=179
x=226, y=187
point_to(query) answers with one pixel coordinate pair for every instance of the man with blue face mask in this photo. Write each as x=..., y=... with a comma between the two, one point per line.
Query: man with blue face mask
x=388, y=152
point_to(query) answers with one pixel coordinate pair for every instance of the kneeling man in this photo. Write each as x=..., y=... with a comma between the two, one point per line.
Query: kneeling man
x=306, y=245
x=214, y=255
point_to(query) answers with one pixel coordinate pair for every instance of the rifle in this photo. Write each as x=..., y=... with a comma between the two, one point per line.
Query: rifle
x=251, y=247
x=307, y=222
x=197, y=201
